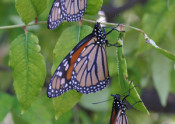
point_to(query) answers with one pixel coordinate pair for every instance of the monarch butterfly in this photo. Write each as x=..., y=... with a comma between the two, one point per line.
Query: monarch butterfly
x=70, y=10
x=118, y=115
x=85, y=68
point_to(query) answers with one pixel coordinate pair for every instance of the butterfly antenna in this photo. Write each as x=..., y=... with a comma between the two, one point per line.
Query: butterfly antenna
x=129, y=90
x=102, y=101
x=133, y=105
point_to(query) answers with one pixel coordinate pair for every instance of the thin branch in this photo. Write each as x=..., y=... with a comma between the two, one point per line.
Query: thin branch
x=114, y=24
x=86, y=20
x=22, y=25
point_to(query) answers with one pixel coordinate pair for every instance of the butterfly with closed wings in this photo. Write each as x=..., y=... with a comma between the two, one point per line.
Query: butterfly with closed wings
x=85, y=68
x=118, y=115
x=70, y=10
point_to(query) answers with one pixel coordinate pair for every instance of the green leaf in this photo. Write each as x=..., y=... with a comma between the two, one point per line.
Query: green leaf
x=65, y=119
x=29, y=68
x=161, y=68
x=87, y=100
x=160, y=50
x=166, y=53
x=37, y=114
x=93, y=6
x=6, y=103
x=40, y=5
x=65, y=102
x=124, y=82
x=111, y=54
x=68, y=39
x=157, y=21
x=26, y=10
x=30, y=9
x=85, y=119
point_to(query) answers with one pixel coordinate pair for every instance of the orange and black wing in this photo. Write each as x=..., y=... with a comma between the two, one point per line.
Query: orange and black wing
x=117, y=117
x=113, y=116
x=90, y=73
x=55, y=17
x=73, y=10
x=61, y=79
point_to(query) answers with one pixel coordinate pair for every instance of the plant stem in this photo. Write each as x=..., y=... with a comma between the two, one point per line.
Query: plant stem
x=21, y=25
x=86, y=20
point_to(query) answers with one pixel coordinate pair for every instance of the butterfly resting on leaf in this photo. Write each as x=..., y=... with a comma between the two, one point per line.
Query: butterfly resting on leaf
x=85, y=68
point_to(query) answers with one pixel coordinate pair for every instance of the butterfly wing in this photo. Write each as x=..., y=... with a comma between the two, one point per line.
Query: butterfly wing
x=121, y=119
x=55, y=17
x=113, y=116
x=118, y=117
x=70, y=10
x=73, y=10
x=59, y=83
x=61, y=79
x=90, y=73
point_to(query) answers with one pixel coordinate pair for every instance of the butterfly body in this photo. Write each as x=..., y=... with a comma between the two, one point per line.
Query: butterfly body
x=84, y=69
x=118, y=115
x=70, y=10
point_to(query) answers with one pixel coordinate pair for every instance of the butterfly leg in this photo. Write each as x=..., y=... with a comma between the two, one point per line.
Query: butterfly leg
x=132, y=105
x=128, y=92
x=112, y=29
x=109, y=45
x=130, y=89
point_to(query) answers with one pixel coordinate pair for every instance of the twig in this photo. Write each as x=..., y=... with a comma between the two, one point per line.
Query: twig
x=22, y=25
x=114, y=24
x=86, y=20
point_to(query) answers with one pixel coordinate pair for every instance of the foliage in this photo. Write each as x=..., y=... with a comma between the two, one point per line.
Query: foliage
x=123, y=78
x=30, y=9
x=28, y=68
x=146, y=58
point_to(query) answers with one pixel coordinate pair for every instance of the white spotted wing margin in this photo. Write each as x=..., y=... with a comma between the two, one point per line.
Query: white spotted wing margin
x=90, y=73
x=55, y=17
x=70, y=10
x=73, y=10
x=59, y=82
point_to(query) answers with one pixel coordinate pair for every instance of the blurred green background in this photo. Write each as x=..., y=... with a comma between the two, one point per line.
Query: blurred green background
x=152, y=72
